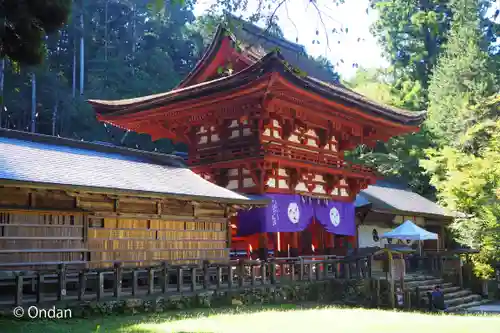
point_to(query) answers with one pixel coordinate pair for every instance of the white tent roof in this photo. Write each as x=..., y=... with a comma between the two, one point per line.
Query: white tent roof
x=410, y=231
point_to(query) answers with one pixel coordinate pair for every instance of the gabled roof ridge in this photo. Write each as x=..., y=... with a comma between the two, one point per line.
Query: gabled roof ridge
x=153, y=157
x=262, y=33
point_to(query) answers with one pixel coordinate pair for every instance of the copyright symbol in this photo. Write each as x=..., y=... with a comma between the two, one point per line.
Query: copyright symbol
x=18, y=312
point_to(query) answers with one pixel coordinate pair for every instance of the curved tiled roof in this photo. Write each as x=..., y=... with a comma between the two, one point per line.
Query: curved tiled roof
x=40, y=159
x=273, y=62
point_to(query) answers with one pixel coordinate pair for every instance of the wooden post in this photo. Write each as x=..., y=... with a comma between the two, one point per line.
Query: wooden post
x=230, y=276
x=82, y=282
x=135, y=282
x=219, y=276
x=273, y=272
x=302, y=270
x=417, y=296
x=39, y=288
x=460, y=273
x=180, y=279
x=206, y=275
x=369, y=266
x=377, y=292
x=241, y=270
x=165, y=279
x=263, y=241
x=151, y=280
x=310, y=272
x=19, y=289
x=118, y=279
x=61, y=290
x=252, y=274
x=347, y=270
x=392, y=300
x=293, y=276
x=318, y=271
x=193, y=279
x=100, y=285
x=263, y=272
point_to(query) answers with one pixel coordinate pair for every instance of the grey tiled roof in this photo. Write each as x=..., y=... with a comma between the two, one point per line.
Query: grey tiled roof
x=78, y=164
x=385, y=198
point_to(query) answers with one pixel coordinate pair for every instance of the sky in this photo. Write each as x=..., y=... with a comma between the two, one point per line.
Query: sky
x=302, y=20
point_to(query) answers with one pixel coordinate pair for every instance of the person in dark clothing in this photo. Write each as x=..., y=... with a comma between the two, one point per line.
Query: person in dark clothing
x=438, y=298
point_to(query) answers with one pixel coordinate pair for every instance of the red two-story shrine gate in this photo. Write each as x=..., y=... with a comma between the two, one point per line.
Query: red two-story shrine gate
x=257, y=125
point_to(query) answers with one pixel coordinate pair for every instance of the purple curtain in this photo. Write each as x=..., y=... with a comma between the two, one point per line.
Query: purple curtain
x=293, y=213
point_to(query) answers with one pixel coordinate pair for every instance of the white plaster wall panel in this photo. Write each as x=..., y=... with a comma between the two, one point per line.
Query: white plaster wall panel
x=319, y=178
x=282, y=183
x=294, y=138
x=233, y=172
x=301, y=186
x=232, y=184
x=248, y=182
x=282, y=172
x=271, y=182
x=319, y=189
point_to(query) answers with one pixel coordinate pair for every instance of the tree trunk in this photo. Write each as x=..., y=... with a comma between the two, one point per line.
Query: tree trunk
x=82, y=55
x=2, y=75
x=73, y=87
x=33, y=103
x=54, y=117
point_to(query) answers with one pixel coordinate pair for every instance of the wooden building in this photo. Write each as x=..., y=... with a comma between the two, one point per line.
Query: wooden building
x=382, y=207
x=261, y=117
x=78, y=203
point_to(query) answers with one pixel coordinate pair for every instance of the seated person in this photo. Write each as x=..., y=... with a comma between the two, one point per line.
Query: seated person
x=438, y=298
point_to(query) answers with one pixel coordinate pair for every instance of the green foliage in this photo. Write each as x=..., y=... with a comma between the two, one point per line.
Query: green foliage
x=469, y=182
x=463, y=77
x=25, y=25
x=412, y=34
x=398, y=158
x=130, y=51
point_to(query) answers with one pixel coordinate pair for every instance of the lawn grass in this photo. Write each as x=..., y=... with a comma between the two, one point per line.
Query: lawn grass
x=287, y=319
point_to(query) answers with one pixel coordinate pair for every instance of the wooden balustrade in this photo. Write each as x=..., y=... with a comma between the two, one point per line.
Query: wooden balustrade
x=67, y=284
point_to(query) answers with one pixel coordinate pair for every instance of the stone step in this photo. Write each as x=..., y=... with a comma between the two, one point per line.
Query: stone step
x=414, y=278
x=462, y=300
x=425, y=283
x=458, y=293
x=449, y=293
x=465, y=306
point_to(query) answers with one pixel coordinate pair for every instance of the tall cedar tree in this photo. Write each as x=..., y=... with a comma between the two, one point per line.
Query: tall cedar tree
x=464, y=75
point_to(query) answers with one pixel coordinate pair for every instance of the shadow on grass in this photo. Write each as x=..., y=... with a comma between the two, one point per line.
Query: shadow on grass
x=131, y=323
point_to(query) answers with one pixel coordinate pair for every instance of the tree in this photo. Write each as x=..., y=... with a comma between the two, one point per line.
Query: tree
x=468, y=181
x=464, y=75
x=128, y=51
x=399, y=158
x=25, y=26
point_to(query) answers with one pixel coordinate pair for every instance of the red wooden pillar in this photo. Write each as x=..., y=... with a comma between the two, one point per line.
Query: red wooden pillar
x=294, y=244
x=263, y=243
x=329, y=243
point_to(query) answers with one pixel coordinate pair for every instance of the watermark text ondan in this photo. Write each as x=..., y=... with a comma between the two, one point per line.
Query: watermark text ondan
x=34, y=312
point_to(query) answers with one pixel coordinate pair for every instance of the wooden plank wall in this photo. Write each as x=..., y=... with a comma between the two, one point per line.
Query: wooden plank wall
x=44, y=227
